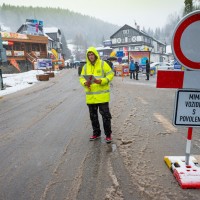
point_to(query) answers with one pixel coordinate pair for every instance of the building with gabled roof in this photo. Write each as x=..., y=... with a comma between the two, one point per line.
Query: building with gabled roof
x=128, y=38
x=55, y=34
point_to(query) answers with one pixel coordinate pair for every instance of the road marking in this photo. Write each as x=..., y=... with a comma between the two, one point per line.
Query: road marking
x=165, y=122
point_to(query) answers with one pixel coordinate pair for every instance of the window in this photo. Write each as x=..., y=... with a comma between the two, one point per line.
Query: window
x=35, y=47
x=134, y=38
x=7, y=47
x=118, y=40
x=139, y=38
x=28, y=47
x=16, y=47
x=43, y=47
x=125, y=32
x=114, y=41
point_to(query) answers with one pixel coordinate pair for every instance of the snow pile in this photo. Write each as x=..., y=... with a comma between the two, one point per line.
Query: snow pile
x=16, y=82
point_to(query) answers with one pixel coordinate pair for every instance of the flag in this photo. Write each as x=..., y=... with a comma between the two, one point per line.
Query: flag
x=15, y=64
x=55, y=53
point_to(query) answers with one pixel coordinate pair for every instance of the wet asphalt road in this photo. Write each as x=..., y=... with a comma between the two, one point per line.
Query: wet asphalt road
x=45, y=152
x=44, y=147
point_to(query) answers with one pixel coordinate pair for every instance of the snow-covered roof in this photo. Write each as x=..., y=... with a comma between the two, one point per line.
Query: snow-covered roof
x=158, y=40
x=107, y=40
x=102, y=48
x=51, y=30
x=48, y=37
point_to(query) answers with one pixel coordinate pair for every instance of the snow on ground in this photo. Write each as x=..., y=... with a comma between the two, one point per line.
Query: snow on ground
x=15, y=82
x=20, y=81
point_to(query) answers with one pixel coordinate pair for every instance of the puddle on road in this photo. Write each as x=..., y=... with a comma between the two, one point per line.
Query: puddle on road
x=114, y=147
x=111, y=147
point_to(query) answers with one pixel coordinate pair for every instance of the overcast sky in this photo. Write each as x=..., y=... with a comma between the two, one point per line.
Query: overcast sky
x=146, y=13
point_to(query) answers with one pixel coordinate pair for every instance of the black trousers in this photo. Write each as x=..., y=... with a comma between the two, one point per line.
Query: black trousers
x=106, y=116
x=132, y=74
x=147, y=75
x=136, y=76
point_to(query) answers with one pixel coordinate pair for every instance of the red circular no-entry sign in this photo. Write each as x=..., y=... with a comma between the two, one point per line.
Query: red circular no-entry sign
x=186, y=41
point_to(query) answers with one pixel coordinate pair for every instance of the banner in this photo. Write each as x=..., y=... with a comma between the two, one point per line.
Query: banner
x=55, y=53
x=139, y=56
x=15, y=64
x=44, y=64
x=125, y=50
x=34, y=27
x=14, y=35
x=8, y=53
x=18, y=53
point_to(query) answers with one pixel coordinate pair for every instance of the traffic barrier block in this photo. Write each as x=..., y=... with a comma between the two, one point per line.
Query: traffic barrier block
x=168, y=161
x=51, y=74
x=188, y=176
x=42, y=77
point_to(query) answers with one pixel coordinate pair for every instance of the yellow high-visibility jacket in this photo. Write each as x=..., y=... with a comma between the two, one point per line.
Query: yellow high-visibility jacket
x=98, y=93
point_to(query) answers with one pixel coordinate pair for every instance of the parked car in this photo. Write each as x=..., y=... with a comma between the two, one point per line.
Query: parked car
x=154, y=67
x=160, y=66
x=76, y=64
x=165, y=66
x=82, y=63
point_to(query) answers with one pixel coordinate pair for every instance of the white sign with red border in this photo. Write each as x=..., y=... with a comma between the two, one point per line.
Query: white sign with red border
x=186, y=41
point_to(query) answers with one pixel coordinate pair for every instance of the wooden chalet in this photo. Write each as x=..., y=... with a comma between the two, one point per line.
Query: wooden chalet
x=25, y=49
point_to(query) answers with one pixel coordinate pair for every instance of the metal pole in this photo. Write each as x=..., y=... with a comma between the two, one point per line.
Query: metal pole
x=188, y=146
x=1, y=80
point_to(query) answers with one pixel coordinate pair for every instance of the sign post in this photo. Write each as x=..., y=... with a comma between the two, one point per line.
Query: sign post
x=187, y=113
x=187, y=108
x=186, y=48
x=186, y=41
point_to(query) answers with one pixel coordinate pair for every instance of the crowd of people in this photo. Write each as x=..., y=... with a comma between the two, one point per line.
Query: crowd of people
x=134, y=69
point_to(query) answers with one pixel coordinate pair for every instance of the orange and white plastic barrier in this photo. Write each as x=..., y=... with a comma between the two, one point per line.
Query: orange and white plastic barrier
x=125, y=70
x=122, y=70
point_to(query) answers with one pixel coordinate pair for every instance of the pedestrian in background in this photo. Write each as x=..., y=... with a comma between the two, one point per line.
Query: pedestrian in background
x=137, y=70
x=132, y=69
x=98, y=92
x=109, y=62
x=147, y=69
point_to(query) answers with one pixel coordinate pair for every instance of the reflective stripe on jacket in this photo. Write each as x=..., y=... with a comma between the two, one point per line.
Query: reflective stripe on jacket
x=98, y=93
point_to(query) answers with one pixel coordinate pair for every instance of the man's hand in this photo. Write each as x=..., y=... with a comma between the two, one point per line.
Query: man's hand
x=97, y=81
x=87, y=83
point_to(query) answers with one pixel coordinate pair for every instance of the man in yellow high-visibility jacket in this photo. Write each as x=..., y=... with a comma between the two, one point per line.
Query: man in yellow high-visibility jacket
x=97, y=88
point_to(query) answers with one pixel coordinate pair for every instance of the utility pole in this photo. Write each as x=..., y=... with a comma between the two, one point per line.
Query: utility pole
x=3, y=59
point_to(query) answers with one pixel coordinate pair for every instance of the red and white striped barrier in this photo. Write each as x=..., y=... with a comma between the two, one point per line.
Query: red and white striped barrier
x=178, y=79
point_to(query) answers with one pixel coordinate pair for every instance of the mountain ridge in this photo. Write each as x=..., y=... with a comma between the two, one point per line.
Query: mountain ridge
x=71, y=24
